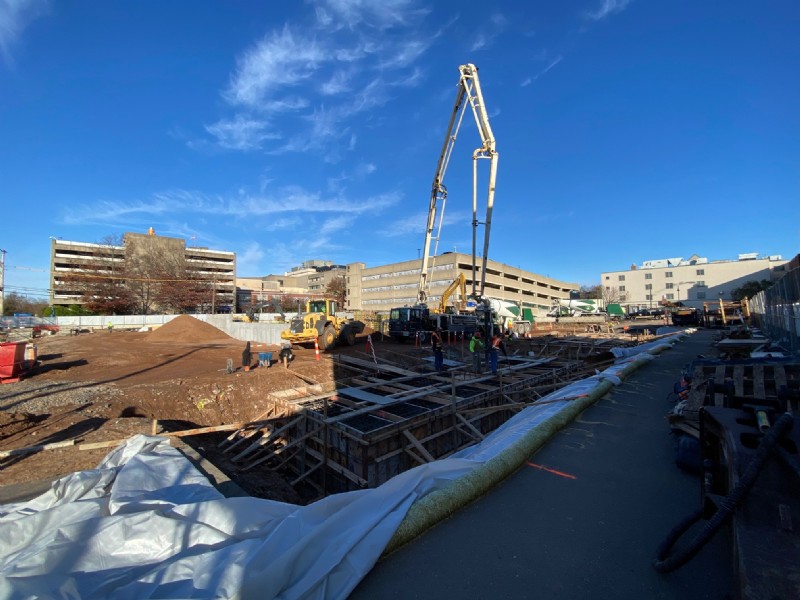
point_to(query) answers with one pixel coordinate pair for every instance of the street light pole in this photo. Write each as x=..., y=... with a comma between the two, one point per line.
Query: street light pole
x=2, y=281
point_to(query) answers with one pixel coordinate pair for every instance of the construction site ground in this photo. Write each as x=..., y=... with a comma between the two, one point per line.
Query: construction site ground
x=103, y=387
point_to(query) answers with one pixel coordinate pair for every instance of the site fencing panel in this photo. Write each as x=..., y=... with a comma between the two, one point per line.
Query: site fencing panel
x=776, y=311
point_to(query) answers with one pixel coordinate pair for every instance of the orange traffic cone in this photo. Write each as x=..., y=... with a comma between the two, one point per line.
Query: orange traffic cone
x=316, y=348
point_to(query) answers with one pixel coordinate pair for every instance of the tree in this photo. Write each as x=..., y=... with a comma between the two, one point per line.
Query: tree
x=17, y=303
x=337, y=289
x=102, y=282
x=750, y=289
x=612, y=295
x=590, y=292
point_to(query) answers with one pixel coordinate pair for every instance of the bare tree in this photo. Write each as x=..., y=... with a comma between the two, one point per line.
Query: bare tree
x=612, y=295
x=337, y=289
x=102, y=280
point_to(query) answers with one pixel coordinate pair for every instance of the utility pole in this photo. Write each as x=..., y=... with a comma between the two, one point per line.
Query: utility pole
x=2, y=281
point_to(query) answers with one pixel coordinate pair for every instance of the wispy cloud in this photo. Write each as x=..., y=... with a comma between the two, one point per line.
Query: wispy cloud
x=283, y=59
x=15, y=16
x=249, y=260
x=606, y=8
x=485, y=37
x=241, y=133
x=336, y=224
x=551, y=63
x=351, y=14
x=318, y=75
x=290, y=201
x=415, y=224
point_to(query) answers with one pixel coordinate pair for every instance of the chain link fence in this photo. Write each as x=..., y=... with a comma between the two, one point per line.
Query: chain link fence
x=776, y=311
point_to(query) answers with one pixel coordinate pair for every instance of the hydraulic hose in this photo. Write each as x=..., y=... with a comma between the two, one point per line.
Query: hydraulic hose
x=665, y=563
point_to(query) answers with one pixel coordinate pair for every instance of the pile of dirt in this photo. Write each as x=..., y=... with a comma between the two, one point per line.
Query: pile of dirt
x=186, y=328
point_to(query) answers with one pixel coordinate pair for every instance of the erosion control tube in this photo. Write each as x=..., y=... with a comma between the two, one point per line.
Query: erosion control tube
x=439, y=505
x=665, y=563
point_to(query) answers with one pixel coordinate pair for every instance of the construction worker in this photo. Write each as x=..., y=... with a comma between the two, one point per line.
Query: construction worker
x=246, y=357
x=494, y=351
x=476, y=347
x=436, y=346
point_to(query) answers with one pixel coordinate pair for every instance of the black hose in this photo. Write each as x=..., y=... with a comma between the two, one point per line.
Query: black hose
x=665, y=563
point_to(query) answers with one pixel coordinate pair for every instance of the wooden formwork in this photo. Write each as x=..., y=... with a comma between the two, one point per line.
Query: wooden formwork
x=389, y=418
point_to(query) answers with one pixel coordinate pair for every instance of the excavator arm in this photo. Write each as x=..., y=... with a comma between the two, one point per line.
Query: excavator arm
x=469, y=88
x=459, y=283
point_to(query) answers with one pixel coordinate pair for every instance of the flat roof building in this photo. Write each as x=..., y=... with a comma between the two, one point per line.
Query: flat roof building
x=73, y=265
x=381, y=288
x=692, y=281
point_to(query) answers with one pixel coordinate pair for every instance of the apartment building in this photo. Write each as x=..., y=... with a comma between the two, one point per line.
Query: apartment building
x=692, y=281
x=381, y=288
x=72, y=262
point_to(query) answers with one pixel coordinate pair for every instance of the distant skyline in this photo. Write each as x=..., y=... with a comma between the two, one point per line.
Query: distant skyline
x=627, y=130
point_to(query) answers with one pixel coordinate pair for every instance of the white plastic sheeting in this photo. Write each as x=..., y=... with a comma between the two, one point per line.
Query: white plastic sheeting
x=146, y=524
x=648, y=348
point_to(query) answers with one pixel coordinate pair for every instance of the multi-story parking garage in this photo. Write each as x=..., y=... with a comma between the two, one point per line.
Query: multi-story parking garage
x=380, y=288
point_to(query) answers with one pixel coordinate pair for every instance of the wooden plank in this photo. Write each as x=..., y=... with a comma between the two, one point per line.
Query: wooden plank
x=260, y=443
x=339, y=469
x=306, y=474
x=418, y=446
x=414, y=456
x=382, y=367
x=281, y=450
x=470, y=426
x=759, y=390
x=779, y=375
x=719, y=378
x=738, y=380
x=37, y=448
x=97, y=445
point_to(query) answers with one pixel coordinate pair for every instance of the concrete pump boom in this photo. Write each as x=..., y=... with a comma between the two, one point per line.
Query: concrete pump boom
x=469, y=87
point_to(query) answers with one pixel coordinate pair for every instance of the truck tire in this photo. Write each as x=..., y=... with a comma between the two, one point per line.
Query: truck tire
x=422, y=336
x=348, y=336
x=328, y=338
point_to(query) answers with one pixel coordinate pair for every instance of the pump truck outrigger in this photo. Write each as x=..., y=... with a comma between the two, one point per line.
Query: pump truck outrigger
x=324, y=323
x=407, y=322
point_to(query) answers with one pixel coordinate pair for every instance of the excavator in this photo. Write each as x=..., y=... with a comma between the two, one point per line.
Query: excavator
x=409, y=322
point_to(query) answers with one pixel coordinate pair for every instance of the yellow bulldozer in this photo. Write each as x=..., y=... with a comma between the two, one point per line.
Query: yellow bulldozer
x=324, y=322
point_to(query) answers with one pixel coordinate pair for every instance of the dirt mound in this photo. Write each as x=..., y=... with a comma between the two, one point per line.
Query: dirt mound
x=188, y=329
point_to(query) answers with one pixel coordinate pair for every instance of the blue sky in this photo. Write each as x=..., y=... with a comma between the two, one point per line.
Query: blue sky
x=628, y=130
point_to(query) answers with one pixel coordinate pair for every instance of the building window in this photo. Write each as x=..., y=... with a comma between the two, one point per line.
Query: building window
x=668, y=274
x=701, y=295
x=649, y=286
x=670, y=296
x=622, y=288
x=648, y=275
x=670, y=286
x=608, y=277
x=700, y=272
x=701, y=283
x=648, y=297
x=622, y=277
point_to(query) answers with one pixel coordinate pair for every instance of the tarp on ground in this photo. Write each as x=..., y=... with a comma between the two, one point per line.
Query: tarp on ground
x=146, y=524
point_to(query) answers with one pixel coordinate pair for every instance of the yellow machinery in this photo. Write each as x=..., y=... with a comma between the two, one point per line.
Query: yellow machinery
x=460, y=284
x=324, y=322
